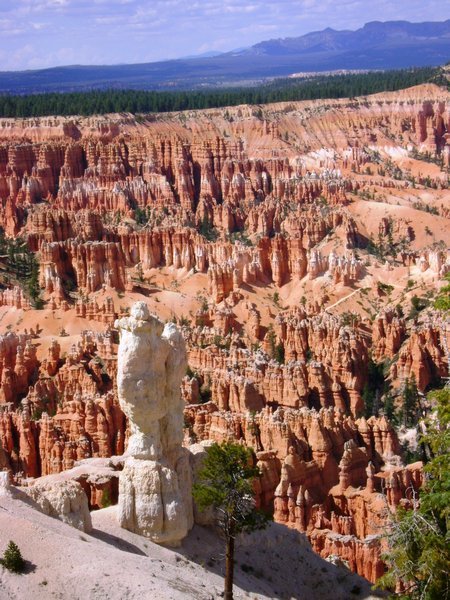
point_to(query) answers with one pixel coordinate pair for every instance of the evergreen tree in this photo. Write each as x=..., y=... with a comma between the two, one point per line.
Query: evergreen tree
x=225, y=483
x=271, y=338
x=12, y=559
x=442, y=301
x=389, y=407
x=374, y=387
x=280, y=90
x=418, y=540
x=410, y=407
x=279, y=353
x=207, y=230
x=32, y=283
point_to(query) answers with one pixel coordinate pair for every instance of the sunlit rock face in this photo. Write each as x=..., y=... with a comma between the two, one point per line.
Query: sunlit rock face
x=155, y=484
x=209, y=216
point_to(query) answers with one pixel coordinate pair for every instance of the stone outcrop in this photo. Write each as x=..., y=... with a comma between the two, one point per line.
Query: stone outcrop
x=68, y=409
x=423, y=355
x=64, y=500
x=94, y=311
x=388, y=333
x=322, y=474
x=5, y=483
x=154, y=486
x=15, y=298
x=325, y=365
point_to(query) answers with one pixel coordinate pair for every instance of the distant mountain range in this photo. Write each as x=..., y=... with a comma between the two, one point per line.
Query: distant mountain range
x=377, y=45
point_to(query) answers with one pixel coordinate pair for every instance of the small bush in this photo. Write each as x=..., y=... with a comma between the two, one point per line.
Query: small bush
x=106, y=499
x=207, y=230
x=417, y=305
x=279, y=353
x=385, y=288
x=12, y=559
x=442, y=301
x=189, y=372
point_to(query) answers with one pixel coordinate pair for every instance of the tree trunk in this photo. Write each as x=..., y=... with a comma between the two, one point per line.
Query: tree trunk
x=229, y=568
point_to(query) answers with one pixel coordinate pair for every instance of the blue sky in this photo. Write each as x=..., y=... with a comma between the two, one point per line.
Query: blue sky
x=44, y=33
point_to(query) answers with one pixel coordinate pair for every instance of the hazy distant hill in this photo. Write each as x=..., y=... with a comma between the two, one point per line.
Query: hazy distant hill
x=379, y=38
x=389, y=45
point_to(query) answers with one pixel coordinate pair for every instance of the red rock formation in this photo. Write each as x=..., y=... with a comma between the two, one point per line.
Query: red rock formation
x=325, y=482
x=233, y=203
x=91, y=310
x=388, y=333
x=70, y=411
x=325, y=365
x=15, y=298
x=88, y=266
x=423, y=355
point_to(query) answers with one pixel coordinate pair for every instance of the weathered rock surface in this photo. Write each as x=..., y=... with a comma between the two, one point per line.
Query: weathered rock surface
x=155, y=484
x=64, y=500
x=5, y=483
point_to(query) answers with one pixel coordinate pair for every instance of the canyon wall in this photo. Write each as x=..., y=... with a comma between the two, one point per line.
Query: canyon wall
x=299, y=247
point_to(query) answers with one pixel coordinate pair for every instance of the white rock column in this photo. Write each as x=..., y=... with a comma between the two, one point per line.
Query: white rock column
x=5, y=485
x=155, y=497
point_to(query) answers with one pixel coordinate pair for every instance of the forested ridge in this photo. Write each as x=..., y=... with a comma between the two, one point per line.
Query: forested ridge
x=281, y=90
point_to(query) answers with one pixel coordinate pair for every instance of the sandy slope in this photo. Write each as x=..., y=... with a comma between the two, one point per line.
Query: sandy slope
x=114, y=564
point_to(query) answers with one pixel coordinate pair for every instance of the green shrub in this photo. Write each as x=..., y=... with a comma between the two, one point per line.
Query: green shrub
x=418, y=553
x=442, y=301
x=279, y=353
x=207, y=230
x=12, y=559
x=418, y=304
x=385, y=288
x=106, y=499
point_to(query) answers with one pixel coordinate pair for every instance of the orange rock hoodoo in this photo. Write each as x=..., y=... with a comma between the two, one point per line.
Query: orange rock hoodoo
x=284, y=247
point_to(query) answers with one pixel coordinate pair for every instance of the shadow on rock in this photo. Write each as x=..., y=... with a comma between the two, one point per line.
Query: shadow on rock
x=277, y=563
x=112, y=540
